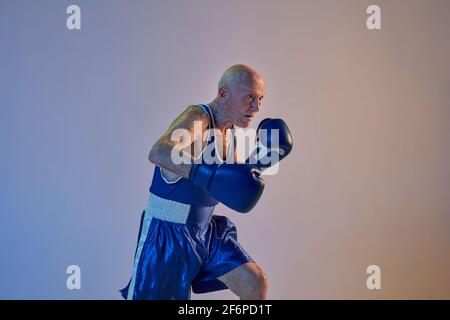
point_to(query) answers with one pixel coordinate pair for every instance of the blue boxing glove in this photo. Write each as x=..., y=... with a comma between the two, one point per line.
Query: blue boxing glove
x=238, y=186
x=273, y=143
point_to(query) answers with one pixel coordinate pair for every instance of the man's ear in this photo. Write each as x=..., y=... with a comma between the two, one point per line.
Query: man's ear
x=224, y=93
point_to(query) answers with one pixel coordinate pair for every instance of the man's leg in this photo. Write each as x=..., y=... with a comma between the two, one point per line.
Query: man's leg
x=247, y=281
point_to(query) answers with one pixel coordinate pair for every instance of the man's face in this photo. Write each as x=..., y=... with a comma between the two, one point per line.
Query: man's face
x=245, y=102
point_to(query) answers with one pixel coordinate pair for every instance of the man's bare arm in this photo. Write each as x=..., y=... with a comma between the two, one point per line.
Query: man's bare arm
x=161, y=152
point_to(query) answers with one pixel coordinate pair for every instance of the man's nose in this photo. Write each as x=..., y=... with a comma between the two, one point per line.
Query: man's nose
x=256, y=105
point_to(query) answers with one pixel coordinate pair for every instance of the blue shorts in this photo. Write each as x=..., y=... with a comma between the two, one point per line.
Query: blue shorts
x=172, y=255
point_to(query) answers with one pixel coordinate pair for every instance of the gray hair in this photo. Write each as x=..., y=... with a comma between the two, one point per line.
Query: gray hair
x=237, y=74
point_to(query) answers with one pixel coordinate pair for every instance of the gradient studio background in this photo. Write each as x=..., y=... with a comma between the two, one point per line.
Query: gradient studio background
x=367, y=183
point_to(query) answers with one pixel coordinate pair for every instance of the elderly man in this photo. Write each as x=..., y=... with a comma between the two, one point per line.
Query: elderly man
x=181, y=244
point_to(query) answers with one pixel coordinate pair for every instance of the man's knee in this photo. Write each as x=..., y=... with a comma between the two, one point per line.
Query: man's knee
x=258, y=285
x=262, y=284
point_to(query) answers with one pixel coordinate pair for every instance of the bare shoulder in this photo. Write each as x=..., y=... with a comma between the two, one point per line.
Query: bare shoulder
x=195, y=112
x=187, y=120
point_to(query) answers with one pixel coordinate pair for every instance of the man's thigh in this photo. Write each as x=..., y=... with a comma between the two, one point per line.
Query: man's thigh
x=243, y=280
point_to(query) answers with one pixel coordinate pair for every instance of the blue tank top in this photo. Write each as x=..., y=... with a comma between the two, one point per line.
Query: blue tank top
x=183, y=190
